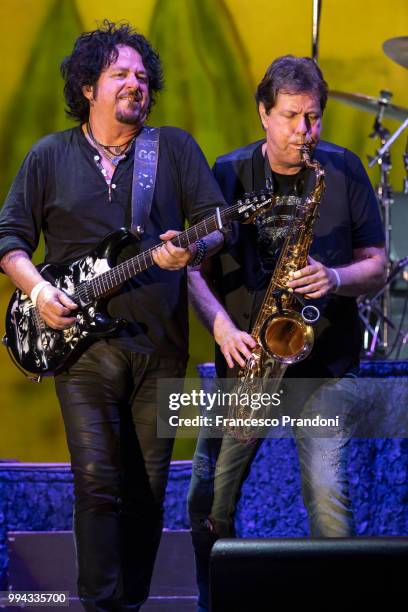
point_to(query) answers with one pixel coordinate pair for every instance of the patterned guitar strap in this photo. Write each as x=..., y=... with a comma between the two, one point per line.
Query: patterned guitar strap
x=144, y=177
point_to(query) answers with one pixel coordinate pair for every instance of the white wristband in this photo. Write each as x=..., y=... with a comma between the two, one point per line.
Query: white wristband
x=36, y=290
x=338, y=281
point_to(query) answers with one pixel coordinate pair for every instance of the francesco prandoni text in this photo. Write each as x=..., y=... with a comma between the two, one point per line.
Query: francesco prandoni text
x=254, y=401
x=221, y=421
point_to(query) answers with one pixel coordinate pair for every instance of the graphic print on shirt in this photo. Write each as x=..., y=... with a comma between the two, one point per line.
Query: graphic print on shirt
x=273, y=226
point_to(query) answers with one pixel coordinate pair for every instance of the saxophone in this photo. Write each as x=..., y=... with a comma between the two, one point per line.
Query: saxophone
x=283, y=328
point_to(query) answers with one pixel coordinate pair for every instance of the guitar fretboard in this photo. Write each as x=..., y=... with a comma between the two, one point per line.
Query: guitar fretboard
x=111, y=279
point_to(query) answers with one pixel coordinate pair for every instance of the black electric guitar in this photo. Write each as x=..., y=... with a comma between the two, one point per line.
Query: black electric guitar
x=37, y=348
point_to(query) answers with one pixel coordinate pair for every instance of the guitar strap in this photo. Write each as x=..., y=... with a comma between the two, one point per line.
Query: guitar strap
x=144, y=176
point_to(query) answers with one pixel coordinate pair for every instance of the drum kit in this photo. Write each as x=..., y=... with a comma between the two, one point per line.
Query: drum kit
x=384, y=336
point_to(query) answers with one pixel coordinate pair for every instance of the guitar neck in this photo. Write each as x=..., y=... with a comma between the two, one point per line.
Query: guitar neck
x=116, y=276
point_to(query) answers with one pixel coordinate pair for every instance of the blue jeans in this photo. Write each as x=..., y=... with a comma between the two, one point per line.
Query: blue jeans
x=220, y=466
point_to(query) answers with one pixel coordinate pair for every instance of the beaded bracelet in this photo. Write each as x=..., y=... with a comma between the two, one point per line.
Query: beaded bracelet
x=200, y=253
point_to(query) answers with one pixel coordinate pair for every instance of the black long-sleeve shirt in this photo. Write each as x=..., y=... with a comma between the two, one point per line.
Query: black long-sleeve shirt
x=60, y=190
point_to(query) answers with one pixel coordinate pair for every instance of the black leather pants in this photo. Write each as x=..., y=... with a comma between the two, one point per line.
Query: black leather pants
x=120, y=467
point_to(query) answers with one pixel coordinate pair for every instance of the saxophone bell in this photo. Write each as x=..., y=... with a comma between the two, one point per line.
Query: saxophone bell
x=286, y=337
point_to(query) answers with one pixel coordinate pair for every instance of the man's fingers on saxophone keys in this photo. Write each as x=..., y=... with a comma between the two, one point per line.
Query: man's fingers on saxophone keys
x=313, y=280
x=237, y=347
x=232, y=355
x=309, y=274
x=316, y=294
x=306, y=271
x=312, y=287
x=303, y=281
x=237, y=358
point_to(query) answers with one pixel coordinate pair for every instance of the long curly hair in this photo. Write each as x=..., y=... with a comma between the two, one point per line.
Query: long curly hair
x=94, y=52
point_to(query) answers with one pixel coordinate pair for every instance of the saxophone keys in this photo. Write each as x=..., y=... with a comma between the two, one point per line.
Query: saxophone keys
x=310, y=314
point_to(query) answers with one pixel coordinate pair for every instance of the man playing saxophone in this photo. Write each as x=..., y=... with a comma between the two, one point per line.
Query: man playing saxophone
x=346, y=260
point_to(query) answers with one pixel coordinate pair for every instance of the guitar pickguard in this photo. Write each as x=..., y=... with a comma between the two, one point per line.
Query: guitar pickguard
x=41, y=348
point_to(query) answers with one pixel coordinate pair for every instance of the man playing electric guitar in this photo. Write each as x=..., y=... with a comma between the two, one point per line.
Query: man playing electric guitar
x=76, y=187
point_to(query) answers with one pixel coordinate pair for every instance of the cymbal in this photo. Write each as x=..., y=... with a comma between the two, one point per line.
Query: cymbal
x=370, y=104
x=397, y=50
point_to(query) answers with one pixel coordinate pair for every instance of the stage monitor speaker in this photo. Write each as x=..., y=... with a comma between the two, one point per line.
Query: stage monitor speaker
x=277, y=574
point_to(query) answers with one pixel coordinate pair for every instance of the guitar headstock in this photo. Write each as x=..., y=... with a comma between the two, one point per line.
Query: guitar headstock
x=253, y=204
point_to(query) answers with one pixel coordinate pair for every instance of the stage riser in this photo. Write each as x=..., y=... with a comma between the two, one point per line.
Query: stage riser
x=41, y=561
x=39, y=497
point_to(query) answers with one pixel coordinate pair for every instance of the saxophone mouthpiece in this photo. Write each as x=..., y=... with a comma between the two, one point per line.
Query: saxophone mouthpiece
x=306, y=151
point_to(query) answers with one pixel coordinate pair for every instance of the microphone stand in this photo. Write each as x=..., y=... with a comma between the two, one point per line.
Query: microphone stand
x=317, y=8
x=386, y=146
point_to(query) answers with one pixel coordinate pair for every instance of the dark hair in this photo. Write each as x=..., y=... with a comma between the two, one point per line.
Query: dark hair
x=293, y=75
x=93, y=52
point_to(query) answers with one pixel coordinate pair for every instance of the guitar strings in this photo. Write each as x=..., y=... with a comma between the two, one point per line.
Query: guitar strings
x=97, y=283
